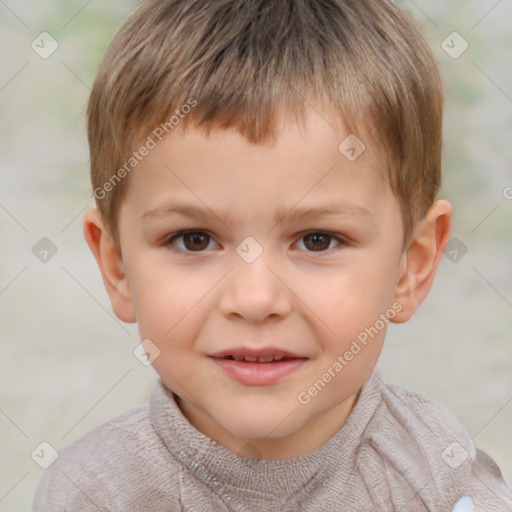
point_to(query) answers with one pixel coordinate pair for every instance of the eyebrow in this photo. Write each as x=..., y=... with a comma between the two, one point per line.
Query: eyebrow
x=226, y=215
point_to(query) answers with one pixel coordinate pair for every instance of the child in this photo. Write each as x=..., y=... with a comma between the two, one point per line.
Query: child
x=259, y=130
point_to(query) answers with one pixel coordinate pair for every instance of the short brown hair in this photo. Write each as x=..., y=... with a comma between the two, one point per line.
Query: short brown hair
x=242, y=61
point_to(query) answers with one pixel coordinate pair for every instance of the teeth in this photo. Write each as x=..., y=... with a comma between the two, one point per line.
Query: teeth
x=265, y=359
x=252, y=359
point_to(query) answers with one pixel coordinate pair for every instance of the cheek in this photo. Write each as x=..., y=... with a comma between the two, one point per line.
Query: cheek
x=374, y=277
x=355, y=292
x=347, y=307
x=161, y=301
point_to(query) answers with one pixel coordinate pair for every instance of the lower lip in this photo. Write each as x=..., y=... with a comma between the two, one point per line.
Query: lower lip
x=259, y=374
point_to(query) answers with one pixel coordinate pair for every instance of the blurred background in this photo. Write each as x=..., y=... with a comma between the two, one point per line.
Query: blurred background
x=67, y=363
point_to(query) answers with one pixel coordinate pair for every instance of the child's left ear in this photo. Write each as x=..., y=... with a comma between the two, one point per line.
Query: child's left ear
x=420, y=261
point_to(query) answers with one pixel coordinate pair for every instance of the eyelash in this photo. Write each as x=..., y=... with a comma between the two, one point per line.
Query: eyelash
x=168, y=243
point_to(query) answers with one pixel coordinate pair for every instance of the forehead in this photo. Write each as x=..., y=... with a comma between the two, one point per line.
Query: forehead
x=318, y=166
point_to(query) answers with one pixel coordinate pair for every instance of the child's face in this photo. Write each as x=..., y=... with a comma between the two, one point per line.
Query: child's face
x=308, y=295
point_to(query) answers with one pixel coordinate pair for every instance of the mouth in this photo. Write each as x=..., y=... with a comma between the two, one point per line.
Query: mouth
x=253, y=359
x=258, y=367
x=262, y=355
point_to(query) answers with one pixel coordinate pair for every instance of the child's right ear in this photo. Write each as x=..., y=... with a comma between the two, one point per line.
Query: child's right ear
x=110, y=261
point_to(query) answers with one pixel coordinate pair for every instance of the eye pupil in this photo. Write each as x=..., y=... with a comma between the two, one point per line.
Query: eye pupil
x=196, y=238
x=317, y=239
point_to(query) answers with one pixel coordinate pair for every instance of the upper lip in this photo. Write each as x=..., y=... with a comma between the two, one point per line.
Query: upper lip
x=262, y=352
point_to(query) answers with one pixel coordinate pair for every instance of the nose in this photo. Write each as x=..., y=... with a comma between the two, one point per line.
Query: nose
x=256, y=291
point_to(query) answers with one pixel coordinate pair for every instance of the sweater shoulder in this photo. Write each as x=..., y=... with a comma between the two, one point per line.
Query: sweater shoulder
x=421, y=445
x=424, y=412
x=118, y=437
x=412, y=425
x=107, y=466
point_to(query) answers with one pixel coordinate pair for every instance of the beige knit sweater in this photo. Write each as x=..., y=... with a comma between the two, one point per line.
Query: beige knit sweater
x=398, y=451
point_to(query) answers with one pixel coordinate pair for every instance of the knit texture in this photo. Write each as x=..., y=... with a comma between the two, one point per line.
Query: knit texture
x=397, y=452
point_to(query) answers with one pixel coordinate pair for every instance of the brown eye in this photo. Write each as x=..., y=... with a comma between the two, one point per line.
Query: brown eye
x=196, y=241
x=193, y=241
x=317, y=241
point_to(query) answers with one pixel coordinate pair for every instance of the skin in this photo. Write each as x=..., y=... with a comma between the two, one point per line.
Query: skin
x=308, y=296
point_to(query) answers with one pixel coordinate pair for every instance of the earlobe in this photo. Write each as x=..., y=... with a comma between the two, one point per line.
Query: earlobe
x=421, y=259
x=110, y=262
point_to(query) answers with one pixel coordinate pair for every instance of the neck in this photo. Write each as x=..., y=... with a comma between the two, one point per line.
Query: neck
x=309, y=437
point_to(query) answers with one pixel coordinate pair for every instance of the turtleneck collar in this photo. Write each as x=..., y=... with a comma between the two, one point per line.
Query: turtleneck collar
x=227, y=473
